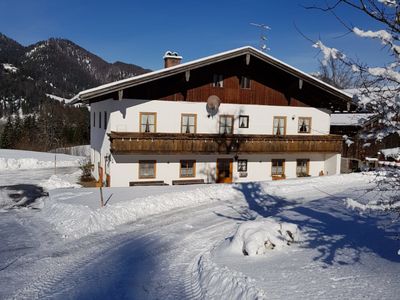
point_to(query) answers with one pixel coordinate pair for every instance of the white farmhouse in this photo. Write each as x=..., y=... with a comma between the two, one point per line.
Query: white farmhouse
x=236, y=116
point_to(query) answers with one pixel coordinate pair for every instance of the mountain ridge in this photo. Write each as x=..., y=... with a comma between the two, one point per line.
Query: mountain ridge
x=54, y=66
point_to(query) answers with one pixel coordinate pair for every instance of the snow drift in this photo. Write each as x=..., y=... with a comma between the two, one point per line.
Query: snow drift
x=258, y=237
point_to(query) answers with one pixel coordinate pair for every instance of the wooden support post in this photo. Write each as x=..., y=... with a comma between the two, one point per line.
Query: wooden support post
x=101, y=195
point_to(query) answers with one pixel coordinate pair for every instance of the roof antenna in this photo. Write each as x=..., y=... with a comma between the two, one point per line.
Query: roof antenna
x=263, y=36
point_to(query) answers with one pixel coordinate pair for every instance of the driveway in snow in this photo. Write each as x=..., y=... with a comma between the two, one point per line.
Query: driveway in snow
x=176, y=254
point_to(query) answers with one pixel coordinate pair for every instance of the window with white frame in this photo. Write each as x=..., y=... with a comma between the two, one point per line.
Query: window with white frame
x=242, y=165
x=147, y=169
x=225, y=124
x=148, y=122
x=188, y=123
x=218, y=80
x=304, y=125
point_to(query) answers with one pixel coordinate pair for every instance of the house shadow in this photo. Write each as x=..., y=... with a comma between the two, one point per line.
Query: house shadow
x=339, y=235
x=22, y=195
x=259, y=203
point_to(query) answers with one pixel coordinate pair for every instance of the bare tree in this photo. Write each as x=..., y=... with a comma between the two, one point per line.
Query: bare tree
x=380, y=85
x=337, y=73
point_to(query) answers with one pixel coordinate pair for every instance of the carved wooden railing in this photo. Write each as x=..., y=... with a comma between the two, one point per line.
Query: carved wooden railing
x=172, y=143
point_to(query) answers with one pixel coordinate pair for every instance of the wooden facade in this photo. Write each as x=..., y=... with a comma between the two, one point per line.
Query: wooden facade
x=269, y=86
x=171, y=143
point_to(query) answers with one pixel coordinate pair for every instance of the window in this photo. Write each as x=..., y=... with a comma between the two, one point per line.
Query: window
x=243, y=121
x=304, y=125
x=302, y=167
x=148, y=122
x=218, y=80
x=244, y=82
x=279, y=126
x=242, y=165
x=188, y=123
x=188, y=168
x=225, y=124
x=147, y=169
x=278, y=167
x=99, y=119
x=105, y=120
x=94, y=119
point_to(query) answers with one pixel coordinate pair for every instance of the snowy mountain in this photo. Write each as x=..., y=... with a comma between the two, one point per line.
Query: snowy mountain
x=55, y=66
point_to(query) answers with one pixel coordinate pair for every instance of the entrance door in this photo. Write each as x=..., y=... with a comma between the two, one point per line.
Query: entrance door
x=224, y=170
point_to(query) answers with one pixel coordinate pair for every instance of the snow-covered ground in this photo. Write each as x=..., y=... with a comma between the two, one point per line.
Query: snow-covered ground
x=177, y=242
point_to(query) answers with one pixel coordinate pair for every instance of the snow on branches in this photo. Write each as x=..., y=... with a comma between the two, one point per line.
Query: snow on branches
x=329, y=53
x=390, y=3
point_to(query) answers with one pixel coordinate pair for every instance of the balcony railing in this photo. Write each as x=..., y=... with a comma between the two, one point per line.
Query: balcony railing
x=172, y=143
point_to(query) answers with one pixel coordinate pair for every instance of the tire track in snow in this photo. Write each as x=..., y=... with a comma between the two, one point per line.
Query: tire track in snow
x=58, y=269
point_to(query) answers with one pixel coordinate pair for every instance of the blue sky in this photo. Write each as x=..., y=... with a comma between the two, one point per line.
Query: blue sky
x=140, y=32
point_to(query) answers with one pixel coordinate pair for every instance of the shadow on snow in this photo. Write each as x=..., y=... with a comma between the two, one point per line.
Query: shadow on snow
x=340, y=235
x=22, y=194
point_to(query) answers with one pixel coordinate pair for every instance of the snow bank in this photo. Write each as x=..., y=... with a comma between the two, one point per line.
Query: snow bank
x=62, y=181
x=257, y=237
x=19, y=159
x=73, y=216
x=222, y=283
x=372, y=205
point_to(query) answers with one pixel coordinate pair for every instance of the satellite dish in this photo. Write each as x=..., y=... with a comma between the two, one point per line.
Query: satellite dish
x=213, y=103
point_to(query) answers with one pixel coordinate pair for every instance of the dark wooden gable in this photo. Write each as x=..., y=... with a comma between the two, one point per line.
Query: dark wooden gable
x=269, y=86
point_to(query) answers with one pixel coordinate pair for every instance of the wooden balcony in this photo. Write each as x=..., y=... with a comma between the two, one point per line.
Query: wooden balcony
x=172, y=143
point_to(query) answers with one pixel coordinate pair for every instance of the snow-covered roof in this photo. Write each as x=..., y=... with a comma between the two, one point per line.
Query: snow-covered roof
x=144, y=78
x=391, y=152
x=347, y=119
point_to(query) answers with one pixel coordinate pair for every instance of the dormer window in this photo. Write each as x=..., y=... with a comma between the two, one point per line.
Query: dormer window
x=218, y=80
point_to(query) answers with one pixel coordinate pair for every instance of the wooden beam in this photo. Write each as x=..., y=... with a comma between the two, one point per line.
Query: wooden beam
x=120, y=95
x=187, y=75
x=248, y=59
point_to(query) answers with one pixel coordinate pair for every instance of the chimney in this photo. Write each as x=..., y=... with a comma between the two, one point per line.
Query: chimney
x=171, y=59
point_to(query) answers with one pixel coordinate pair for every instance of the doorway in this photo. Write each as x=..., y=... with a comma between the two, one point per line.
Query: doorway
x=224, y=170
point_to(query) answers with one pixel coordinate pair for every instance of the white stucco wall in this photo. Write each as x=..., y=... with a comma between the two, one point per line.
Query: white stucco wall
x=125, y=168
x=124, y=116
x=332, y=164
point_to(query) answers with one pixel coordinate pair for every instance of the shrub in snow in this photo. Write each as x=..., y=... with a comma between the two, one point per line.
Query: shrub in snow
x=257, y=237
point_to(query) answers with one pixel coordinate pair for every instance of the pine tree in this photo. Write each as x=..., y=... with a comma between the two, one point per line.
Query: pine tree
x=7, y=139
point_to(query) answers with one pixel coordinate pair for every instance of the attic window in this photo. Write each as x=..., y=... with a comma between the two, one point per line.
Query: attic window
x=218, y=80
x=244, y=82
